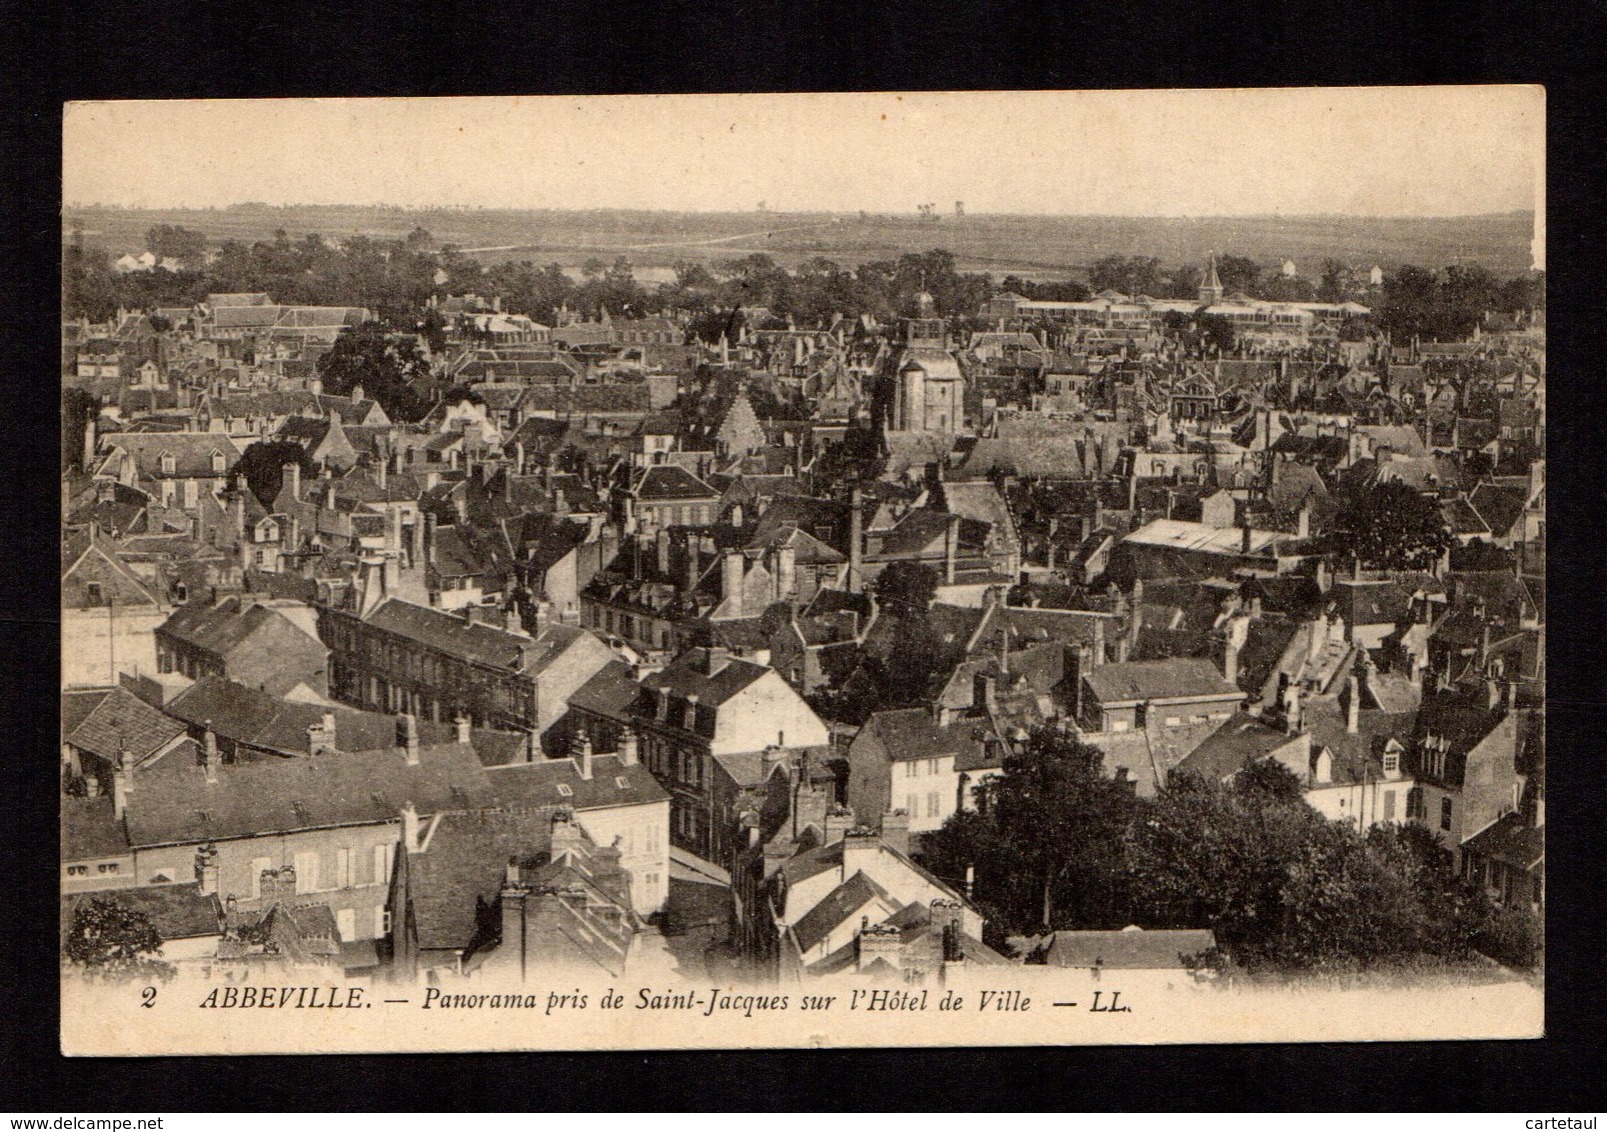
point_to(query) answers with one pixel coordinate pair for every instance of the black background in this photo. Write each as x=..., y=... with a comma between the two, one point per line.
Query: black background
x=49, y=54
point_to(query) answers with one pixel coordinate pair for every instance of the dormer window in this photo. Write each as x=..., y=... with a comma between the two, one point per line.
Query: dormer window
x=1392, y=763
x=218, y=462
x=169, y=463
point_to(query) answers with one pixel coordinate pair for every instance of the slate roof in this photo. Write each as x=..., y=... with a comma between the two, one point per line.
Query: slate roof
x=462, y=870
x=1241, y=740
x=663, y=482
x=687, y=675
x=907, y=734
x=89, y=828
x=481, y=644
x=842, y=902
x=610, y=692
x=536, y=784
x=1127, y=950
x=225, y=627
x=191, y=451
x=103, y=722
x=1499, y=505
x=1512, y=840
x=172, y=803
x=1177, y=678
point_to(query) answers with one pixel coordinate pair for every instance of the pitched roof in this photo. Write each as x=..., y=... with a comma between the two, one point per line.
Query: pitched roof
x=1175, y=678
x=538, y=784
x=173, y=803
x=90, y=828
x=1240, y=741
x=839, y=904
x=191, y=451
x=482, y=644
x=1499, y=505
x=115, y=720
x=910, y=733
x=670, y=482
x=688, y=674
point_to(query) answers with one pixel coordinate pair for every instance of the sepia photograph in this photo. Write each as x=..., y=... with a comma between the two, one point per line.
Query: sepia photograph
x=803, y=570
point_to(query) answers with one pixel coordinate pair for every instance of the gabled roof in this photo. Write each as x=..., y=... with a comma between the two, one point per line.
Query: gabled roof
x=842, y=902
x=688, y=674
x=1499, y=505
x=1176, y=678
x=176, y=911
x=668, y=482
x=107, y=721
x=907, y=734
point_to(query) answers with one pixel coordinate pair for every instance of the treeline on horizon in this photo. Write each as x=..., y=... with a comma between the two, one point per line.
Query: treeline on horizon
x=396, y=278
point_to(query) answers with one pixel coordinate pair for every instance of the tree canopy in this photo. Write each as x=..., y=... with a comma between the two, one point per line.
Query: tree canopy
x=1393, y=526
x=384, y=365
x=109, y=940
x=262, y=466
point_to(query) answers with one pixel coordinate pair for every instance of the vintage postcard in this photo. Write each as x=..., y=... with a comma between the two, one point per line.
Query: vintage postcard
x=803, y=570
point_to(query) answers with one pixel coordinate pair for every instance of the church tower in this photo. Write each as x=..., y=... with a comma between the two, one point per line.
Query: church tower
x=1211, y=287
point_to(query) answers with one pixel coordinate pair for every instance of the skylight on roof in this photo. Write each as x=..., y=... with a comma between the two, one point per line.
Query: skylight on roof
x=564, y=790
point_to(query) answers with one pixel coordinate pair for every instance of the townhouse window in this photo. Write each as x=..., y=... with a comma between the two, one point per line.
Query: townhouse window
x=306, y=872
x=78, y=870
x=931, y=804
x=1389, y=805
x=1445, y=813
x=108, y=868
x=383, y=856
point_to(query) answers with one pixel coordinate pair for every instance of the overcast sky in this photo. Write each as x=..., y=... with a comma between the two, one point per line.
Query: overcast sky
x=1414, y=151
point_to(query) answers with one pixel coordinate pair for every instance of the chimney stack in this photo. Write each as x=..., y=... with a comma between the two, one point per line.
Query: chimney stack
x=407, y=736
x=628, y=747
x=731, y=571
x=209, y=752
x=1352, y=704
x=292, y=479
x=462, y=723
x=951, y=548
x=1230, y=661
x=122, y=783
x=410, y=830
x=583, y=754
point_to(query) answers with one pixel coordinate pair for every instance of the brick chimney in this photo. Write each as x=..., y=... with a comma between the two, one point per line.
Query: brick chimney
x=1352, y=704
x=628, y=747
x=462, y=723
x=951, y=548
x=292, y=479
x=566, y=835
x=206, y=869
x=896, y=830
x=514, y=896
x=838, y=820
x=861, y=846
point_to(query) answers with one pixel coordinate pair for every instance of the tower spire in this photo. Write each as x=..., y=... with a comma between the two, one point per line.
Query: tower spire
x=1211, y=288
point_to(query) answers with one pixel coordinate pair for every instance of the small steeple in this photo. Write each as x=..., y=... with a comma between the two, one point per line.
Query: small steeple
x=1211, y=288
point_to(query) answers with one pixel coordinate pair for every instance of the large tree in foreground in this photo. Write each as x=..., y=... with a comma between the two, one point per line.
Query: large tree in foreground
x=1046, y=839
x=262, y=466
x=1393, y=526
x=383, y=364
x=109, y=940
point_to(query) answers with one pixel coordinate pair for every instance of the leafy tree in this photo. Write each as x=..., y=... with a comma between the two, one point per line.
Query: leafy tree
x=1336, y=281
x=111, y=941
x=906, y=588
x=262, y=466
x=1046, y=840
x=383, y=364
x=1238, y=273
x=1393, y=526
x=1216, y=330
x=78, y=409
x=172, y=241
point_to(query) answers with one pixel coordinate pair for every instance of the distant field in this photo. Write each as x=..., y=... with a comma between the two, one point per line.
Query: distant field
x=1043, y=247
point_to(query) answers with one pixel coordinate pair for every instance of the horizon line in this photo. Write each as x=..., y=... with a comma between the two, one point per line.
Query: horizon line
x=846, y=212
